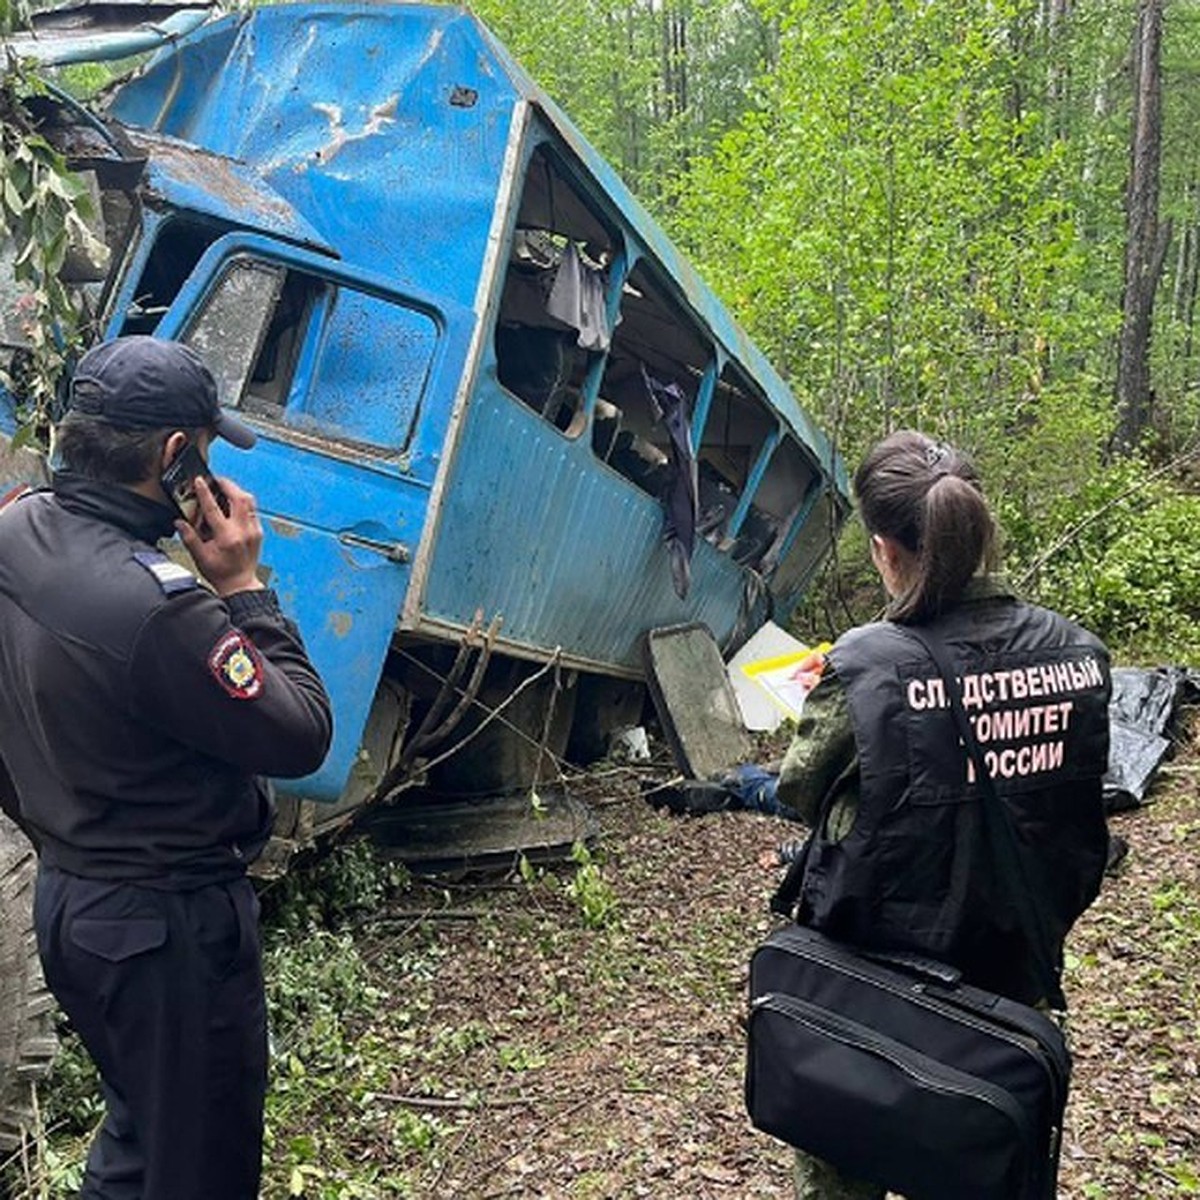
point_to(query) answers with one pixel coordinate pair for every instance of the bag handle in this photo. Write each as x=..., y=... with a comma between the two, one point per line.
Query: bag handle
x=1001, y=836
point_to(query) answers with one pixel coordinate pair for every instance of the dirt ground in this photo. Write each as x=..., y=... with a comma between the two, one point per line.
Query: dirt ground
x=559, y=1053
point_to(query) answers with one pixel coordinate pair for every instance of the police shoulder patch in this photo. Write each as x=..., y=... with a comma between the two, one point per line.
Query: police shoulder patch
x=237, y=665
x=18, y=493
x=171, y=576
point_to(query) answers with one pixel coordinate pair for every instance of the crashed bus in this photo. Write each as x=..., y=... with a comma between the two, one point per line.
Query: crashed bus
x=480, y=374
x=483, y=381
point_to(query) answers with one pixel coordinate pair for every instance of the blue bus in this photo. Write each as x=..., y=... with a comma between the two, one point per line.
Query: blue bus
x=485, y=383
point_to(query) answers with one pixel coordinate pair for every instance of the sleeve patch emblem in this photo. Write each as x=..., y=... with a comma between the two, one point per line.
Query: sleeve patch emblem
x=235, y=662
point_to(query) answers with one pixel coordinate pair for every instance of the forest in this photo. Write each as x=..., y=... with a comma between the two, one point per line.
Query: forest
x=980, y=218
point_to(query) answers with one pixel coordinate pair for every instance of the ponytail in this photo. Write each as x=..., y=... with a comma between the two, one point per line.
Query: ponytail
x=927, y=497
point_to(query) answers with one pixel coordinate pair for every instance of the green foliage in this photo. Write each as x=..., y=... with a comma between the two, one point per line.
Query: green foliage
x=891, y=220
x=44, y=209
x=14, y=15
x=347, y=882
x=69, y=1109
x=650, y=84
x=592, y=894
x=1129, y=563
x=328, y=1065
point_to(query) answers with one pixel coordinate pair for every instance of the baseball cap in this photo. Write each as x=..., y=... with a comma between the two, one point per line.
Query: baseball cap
x=142, y=382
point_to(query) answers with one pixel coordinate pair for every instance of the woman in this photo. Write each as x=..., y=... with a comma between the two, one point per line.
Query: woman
x=898, y=858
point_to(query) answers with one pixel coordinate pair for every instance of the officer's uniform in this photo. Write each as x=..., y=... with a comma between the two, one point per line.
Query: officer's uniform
x=898, y=858
x=136, y=710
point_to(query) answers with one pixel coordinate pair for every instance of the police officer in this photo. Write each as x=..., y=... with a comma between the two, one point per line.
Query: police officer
x=899, y=858
x=137, y=711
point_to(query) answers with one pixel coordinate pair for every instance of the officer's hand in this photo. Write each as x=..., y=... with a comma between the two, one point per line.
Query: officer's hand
x=225, y=546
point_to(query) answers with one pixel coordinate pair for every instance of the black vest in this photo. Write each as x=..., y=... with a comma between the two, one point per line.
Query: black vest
x=916, y=872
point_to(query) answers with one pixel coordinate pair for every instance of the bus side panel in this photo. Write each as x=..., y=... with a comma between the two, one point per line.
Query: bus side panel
x=535, y=528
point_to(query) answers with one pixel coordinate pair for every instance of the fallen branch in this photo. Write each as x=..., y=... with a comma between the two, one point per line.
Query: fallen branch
x=442, y=1103
x=400, y=916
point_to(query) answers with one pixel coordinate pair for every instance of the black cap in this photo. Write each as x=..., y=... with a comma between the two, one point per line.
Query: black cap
x=144, y=382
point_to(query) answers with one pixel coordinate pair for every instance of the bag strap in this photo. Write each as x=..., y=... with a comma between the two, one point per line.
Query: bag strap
x=998, y=823
x=783, y=902
x=788, y=892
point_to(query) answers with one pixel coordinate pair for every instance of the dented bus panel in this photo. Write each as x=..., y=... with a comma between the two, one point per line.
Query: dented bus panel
x=460, y=339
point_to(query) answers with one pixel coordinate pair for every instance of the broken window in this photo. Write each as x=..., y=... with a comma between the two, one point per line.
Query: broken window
x=228, y=333
x=552, y=325
x=655, y=342
x=739, y=429
x=291, y=347
x=177, y=249
x=809, y=547
x=778, y=501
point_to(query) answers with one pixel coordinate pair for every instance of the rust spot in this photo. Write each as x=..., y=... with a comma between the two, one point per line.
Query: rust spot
x=284, y=529
x=340, y=623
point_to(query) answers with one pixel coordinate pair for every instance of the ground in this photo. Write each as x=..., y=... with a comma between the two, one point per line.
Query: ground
x=550, y=1038
x=574, y=1033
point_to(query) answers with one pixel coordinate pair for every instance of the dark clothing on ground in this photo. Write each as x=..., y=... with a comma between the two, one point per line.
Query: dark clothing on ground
x=136, y=711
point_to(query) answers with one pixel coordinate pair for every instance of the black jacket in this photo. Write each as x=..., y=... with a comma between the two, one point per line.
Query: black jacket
x=916, y=870
x=137, y=708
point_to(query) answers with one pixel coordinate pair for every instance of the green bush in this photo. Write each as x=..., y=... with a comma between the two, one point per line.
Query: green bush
x=1132, y=575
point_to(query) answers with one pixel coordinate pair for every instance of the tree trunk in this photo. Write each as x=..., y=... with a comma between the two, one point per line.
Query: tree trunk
x=27, y=1041
x=1056, y=15
x=1146, y=244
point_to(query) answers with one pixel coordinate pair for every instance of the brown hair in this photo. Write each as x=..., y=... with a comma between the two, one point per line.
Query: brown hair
x=928, y=497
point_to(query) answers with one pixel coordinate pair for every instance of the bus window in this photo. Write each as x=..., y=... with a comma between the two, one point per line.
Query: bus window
x=784, y=489
x=229, y=330
x=738, y=425
x=810, y=547
x=300, y=296
x=655, y=343
x=176, y=251
x=262, y=322
x=551, y=328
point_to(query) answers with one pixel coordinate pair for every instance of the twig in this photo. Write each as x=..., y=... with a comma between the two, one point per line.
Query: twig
x=1085, y=521
x=467, y=1134
x=569, y=1111
x=446, y=1102
x=674, y=781
x=493, y=713
x=418, y=915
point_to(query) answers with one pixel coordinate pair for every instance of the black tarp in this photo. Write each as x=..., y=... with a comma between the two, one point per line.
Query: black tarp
x=1141, y=712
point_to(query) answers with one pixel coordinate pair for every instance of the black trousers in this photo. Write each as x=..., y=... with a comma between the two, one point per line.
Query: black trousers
x=166, y=991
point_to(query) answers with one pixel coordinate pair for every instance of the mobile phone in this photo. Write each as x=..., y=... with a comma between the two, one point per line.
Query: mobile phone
x=179, y=480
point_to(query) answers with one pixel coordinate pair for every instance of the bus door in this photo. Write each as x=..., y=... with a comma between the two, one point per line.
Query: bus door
x=334, y=373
